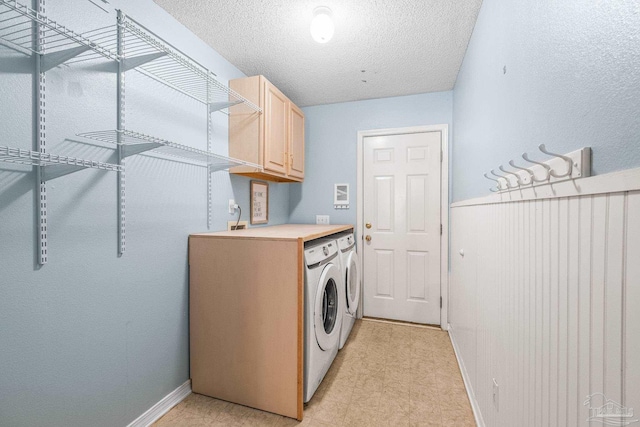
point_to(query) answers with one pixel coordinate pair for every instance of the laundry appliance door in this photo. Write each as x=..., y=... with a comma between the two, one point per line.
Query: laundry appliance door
x=328, y=308
x=352, y=283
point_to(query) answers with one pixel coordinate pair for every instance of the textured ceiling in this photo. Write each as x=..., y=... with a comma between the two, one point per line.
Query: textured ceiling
x=379, y=48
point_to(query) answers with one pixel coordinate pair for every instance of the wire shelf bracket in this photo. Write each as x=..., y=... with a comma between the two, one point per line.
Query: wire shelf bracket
x=137, y=61
x=217, y=106
x=52, y=60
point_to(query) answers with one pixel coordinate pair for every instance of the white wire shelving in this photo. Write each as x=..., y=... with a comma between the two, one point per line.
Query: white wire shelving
x=29, y=32
x=147, y=53
x=143, y=51
x=136, y=143
x=131, y=47
x=53, y=165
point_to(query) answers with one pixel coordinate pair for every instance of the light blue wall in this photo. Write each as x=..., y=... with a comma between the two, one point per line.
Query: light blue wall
x=572, y=80
x=331, y=142
x=91, y=339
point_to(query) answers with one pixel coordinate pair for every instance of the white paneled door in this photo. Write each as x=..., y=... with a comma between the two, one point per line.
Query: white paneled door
x=401, y=199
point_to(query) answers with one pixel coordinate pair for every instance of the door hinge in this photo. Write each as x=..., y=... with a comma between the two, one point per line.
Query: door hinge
x=441, y=229
x=440, y=302
x=441, y=156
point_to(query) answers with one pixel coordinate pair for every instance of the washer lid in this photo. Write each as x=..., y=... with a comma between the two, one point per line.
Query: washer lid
x=352, y=282
x=327, y=316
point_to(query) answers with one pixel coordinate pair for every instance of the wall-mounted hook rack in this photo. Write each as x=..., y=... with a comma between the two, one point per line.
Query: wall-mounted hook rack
x=576, y=164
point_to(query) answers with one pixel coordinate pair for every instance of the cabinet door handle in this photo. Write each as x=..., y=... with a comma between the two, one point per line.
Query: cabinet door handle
x=291, y=159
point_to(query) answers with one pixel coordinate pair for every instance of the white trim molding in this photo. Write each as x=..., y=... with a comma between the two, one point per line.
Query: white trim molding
x=444, y=205
x=154, y=413
x=467, y=381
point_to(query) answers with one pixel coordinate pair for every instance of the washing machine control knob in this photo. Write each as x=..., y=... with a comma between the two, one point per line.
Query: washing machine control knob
x=325, y=250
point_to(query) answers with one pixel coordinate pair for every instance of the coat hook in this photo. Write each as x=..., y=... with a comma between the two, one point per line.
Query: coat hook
x=501, y=186
x=508, y=181
x=492, y=179
x=498, y=186
x=546, y=167
x=518, y=181
x=569, y=161
x=532, y=176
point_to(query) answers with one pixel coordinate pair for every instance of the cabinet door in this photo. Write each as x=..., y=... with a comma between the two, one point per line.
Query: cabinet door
x=296, y=142
x=275, y=129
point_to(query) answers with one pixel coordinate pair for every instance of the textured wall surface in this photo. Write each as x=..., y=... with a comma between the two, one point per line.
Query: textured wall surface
x=561, y=73
x=91, y=339
x=331, y=147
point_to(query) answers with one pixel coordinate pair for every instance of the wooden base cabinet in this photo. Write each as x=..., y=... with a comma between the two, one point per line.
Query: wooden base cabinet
x=273, y=139
x=246, y=315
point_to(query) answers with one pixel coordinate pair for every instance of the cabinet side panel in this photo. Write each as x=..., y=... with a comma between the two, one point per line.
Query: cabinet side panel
x=244, y=322
x=300, y=328
x=296, y=142
x=244, y=124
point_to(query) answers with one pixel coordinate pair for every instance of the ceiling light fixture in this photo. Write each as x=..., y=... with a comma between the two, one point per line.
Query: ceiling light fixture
x=322, y=25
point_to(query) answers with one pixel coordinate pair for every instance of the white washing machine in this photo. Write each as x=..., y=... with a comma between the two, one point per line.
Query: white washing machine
x=351, y=289
x=323, y=310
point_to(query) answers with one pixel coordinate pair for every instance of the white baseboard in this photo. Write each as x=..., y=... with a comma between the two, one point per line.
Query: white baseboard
x=162, y=407
x=467, y=382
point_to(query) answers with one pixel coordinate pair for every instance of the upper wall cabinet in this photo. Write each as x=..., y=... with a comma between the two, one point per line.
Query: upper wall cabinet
x=274, y=140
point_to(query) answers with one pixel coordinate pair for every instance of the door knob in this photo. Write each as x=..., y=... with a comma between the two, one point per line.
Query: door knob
x=367, y=238
x=368, y=225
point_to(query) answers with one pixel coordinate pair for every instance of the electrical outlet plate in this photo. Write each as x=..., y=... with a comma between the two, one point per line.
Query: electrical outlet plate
x=322, y=219
x=232, y=203
x=232, y=224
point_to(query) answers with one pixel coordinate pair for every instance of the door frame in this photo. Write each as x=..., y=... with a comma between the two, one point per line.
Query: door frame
x=444, y=207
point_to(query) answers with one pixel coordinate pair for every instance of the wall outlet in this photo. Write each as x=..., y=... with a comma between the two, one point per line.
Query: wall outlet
x=231, y=225
x=496, y=395
x=232, y=207
x=322, y=219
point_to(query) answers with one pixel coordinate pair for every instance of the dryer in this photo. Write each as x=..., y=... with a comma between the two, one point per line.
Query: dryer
x=323, y=309
x=351, y=286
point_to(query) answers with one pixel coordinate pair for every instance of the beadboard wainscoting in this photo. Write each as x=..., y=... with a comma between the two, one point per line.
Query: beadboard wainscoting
x=545, y=302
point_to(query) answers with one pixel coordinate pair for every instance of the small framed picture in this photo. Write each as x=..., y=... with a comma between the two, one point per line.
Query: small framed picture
x=259, y=205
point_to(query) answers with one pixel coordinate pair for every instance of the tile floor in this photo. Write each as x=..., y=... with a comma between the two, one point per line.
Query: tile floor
x=386, y=375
